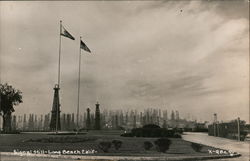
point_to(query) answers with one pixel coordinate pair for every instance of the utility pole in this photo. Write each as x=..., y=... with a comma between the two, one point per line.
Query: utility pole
x=215, y=122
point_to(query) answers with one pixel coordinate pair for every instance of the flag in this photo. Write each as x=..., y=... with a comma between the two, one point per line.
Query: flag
x=84, y=46
x=65, y=33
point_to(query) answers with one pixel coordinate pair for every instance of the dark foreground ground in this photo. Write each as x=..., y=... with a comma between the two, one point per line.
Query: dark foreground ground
x=131, y=147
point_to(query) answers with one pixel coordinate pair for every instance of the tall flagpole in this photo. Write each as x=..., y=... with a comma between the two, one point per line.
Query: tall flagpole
x=59, y=62
x=59, y=74
x=79, y=77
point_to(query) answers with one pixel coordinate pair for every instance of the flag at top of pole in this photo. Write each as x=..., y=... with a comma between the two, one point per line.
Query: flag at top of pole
x=84, y=46
x=65, y=33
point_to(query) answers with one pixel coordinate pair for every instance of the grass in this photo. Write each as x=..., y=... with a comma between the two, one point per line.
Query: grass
x=130, y=146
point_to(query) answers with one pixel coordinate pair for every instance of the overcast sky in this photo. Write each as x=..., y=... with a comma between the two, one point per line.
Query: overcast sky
x=188, y=56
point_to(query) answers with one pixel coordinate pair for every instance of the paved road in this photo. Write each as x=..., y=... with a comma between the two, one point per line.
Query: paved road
x=227, y=144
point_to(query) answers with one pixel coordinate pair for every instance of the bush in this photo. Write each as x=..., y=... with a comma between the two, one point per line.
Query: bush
x=178, y=130
x=105, y=146
x=243, y=135
x=162, y=144
x=177, y=135
x=148, y=145
x=152, y=130
x=196, y=147
x=117, y=144
x=127, y=135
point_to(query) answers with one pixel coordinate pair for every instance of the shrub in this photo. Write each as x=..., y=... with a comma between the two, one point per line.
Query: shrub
x=178, y=130
x=177, y=135
x=127, y=135
x=148, y=145
x=117, y=144
x=243, y=135
x=196, y=147
x=162, y=144
x=105, y=146
x=152, y=130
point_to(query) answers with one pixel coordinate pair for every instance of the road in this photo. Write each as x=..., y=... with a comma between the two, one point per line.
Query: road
x=242, y=147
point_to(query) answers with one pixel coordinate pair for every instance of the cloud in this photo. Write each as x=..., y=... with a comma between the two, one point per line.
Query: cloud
x=144, y=54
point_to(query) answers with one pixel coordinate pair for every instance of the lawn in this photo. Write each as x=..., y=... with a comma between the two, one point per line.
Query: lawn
x=131, y=146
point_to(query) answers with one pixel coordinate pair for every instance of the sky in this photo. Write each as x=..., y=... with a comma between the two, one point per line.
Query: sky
x=190, y=56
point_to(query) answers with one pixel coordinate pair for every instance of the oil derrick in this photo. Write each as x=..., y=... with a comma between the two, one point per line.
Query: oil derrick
x=88, y=121
x=97, y=117
x=55, y=124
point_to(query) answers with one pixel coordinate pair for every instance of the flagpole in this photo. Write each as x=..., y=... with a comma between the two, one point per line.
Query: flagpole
x=79, y=77
x=59, y=73
x=59, y=62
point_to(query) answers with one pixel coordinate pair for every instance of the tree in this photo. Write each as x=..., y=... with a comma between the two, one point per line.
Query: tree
x=10, y=97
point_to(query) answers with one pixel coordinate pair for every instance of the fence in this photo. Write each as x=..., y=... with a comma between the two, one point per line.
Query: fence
x=232, y=130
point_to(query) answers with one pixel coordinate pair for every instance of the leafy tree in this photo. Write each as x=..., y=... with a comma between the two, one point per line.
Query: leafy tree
x=10, y=97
